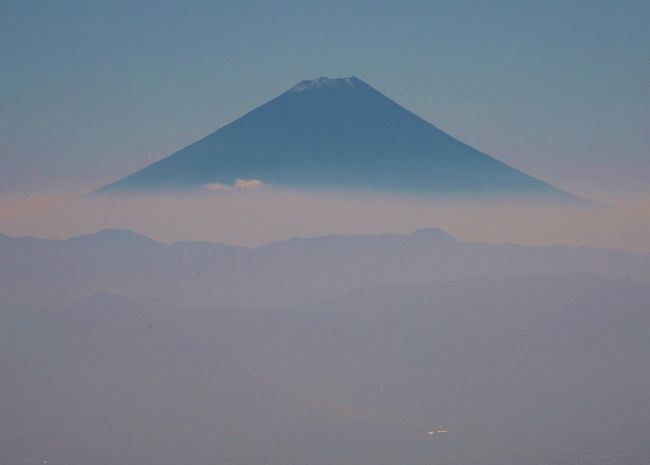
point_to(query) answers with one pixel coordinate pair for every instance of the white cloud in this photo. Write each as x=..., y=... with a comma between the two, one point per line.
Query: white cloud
x=239, y=184
x=248, y=184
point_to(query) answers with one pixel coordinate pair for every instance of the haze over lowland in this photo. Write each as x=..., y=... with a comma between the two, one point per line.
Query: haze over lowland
x=338, y=350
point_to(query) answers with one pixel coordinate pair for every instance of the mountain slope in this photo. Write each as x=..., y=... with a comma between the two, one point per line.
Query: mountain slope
x=336, y=133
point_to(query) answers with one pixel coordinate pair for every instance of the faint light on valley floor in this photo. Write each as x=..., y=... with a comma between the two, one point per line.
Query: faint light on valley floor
x=438, y=430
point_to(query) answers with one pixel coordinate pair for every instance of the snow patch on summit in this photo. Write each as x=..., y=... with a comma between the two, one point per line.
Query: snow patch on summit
x=323, y=83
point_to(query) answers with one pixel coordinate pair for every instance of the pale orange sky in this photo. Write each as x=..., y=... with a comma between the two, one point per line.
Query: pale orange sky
x=256, y=217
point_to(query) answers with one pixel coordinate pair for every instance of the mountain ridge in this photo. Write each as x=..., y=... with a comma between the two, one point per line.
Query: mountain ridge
x=283, y=273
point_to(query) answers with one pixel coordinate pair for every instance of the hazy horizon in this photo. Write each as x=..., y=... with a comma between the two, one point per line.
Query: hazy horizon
x=255, y=217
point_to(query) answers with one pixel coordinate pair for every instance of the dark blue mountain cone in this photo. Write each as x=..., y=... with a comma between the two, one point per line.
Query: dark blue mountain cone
x=337, y=133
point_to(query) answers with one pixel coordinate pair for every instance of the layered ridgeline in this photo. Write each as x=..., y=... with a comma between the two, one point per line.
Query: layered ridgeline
x=281, y=273
x=336, y=133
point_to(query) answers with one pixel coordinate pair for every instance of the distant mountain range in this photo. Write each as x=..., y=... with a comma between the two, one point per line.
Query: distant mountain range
x=333, y=350
x=336, y=134
x=289, y=272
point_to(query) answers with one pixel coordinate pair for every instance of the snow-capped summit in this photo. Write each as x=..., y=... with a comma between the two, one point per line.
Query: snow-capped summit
x=325, y=82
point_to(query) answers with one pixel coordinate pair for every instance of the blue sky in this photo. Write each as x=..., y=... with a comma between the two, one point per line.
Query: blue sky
x=93, y=90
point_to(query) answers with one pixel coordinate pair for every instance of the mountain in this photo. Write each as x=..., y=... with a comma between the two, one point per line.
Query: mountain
x=336, y=133
x=44, y=272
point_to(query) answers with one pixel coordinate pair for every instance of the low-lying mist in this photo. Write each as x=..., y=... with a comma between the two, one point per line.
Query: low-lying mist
x=254, y=217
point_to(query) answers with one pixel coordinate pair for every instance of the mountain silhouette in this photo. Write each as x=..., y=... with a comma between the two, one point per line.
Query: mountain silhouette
x=336, y=133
